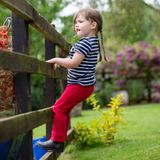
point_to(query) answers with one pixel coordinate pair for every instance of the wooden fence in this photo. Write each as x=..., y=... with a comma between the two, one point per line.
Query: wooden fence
x=18, y=128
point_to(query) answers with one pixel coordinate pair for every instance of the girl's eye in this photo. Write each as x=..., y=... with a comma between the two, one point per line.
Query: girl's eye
x=78, y=22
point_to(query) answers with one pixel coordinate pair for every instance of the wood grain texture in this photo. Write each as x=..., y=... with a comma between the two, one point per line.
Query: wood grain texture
x=22, y=123
x=24, y=63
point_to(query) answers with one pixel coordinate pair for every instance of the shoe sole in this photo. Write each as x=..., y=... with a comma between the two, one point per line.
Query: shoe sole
x=51, y=149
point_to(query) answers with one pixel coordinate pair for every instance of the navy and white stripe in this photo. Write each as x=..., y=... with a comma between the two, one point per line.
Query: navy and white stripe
x=84, y=73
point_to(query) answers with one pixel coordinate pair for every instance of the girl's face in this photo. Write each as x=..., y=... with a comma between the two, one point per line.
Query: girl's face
x=84, y=28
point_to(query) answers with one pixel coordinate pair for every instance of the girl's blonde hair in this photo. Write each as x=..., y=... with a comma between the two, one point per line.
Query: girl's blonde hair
x=93, y=16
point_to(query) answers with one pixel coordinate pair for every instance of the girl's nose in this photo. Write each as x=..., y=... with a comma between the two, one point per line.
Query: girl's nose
x=76, y=24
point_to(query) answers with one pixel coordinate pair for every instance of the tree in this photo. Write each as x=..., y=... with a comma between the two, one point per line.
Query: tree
x=48, y=9
x=126, y=20
x=5, y=13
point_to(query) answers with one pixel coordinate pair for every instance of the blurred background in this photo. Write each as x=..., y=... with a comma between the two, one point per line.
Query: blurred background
x=131, y=32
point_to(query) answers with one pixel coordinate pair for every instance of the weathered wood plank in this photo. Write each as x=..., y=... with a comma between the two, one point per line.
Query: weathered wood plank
x=53, y=156
x=24, y=63
x=22, y=123
x=44, y=27
x=26, y=11
x=22, y=84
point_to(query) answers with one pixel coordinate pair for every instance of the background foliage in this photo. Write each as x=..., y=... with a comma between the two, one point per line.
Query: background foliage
x=125, y=23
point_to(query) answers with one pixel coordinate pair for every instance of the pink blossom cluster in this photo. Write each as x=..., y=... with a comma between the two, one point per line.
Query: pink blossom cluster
x=139, y=60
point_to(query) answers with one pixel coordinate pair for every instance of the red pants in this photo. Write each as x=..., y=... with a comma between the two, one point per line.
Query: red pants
x=72, y=95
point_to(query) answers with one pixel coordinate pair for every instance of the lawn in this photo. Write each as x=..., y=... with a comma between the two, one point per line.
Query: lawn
x=138, y=140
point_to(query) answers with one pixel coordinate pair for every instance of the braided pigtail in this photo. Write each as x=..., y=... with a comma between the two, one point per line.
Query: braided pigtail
x=93, y=15
x=100, y=55
x=105, y=58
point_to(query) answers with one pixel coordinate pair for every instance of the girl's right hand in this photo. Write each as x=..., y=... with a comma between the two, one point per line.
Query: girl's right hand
x=54, y=65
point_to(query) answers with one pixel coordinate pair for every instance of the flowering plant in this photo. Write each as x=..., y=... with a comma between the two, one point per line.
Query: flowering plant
x=140, y=61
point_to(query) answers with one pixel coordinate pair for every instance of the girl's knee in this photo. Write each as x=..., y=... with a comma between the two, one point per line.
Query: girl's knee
x=55, y=109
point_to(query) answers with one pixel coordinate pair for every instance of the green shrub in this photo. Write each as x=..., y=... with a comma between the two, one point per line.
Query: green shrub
x=103, y=128
x=7, y=113
x=135, y=90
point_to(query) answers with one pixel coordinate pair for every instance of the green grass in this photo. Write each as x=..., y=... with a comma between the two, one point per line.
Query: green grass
x=7, y=113
x=39, y=131
x=138, y=140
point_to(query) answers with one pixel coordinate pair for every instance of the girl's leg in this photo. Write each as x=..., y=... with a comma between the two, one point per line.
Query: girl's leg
x=73, y=95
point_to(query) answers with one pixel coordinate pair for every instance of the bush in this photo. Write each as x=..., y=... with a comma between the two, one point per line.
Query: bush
x=8, y=112
x=140, y=61
x=103, y=128
x=135, y=90
x=157, y=91
x=103, y=93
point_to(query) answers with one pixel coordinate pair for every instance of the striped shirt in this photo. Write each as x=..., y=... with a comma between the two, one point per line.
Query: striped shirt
x=84, y=73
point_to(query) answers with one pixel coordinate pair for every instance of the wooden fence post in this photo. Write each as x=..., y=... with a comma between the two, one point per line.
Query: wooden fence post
x=50, y=84
x=20, y=41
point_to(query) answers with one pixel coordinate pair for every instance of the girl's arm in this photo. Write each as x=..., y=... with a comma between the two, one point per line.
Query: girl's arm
x=68, y=62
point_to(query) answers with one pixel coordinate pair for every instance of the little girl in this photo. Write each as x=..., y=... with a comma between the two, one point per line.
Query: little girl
x=80, y=78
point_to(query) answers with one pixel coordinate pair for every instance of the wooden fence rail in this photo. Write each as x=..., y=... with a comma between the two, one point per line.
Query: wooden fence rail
x=18, y=128
x=22, y=123
x=24, y=63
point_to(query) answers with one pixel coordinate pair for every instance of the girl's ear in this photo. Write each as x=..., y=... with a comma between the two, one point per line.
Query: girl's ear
x=94, y=25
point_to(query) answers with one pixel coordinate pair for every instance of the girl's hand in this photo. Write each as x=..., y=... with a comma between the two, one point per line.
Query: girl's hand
x=51, y=60
x=54, y=65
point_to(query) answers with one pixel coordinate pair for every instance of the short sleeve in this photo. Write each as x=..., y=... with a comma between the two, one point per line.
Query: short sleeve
x=83, y=46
